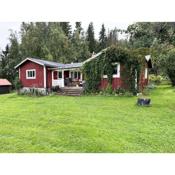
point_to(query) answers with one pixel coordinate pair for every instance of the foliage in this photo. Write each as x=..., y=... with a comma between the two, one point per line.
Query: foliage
x=55, y=88
x=17, y=84
x=132, y=60
x=170, y=66
x=112, y=38
x=141, y=34
x=102, y=38
x=157, y=79
x=66, y=27
x=108, y=90
x=45, y=40
x=92, y=75
x=91, y=38
x=32, y=92
x=158, y=36
x=79, y=44
x=9, y=58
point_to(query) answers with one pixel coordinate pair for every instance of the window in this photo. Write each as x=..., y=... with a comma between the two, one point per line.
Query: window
x=31, y=74
x=115, y=71
x=72, y=75
x=75, y=75
x=57, y=75
x=79, y=75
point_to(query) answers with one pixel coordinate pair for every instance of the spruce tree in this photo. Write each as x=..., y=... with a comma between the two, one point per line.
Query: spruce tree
x=79, y=44
x=66, y=27
x=90, y=38
x=102, y=38
x=78, y=27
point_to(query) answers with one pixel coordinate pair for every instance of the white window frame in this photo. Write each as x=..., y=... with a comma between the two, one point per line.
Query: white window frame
x=29, y=70
x=58, y=71
x=73, y=72
x=146, y=73
x=61, y=75
x=105, y=76
x=118, y=71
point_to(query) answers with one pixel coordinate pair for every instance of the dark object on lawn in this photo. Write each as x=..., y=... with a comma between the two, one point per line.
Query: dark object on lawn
x=5, y=86
x=143, y=101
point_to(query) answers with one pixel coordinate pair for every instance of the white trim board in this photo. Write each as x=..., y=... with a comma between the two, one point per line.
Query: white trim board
x=27, y=74
x=28, y=59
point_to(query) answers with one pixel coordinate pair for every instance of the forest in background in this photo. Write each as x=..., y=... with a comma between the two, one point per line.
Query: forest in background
x=55, y=41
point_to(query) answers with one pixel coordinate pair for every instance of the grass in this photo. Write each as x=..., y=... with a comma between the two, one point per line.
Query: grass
x=87, y=123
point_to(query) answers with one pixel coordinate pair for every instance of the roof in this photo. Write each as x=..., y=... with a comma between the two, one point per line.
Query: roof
x=41, y=62
x=58, y=65
x=148, y=61
x=51, y=63
x=4, y=82
x=73, y=65
x=95, y=56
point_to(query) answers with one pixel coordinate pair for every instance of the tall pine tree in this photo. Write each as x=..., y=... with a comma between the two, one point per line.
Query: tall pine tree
x=102, y=38
x=91, y=38
x=79, y=43
x=4, y=62
x=78, y=27
x=66, y=27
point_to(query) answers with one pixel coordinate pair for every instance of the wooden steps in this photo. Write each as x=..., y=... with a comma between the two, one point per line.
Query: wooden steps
x=71, y=91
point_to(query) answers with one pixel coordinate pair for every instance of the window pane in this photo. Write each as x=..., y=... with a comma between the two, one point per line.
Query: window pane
x=78, y=75
x=75, y=74
x=115, y=69
x=60, y=74
x=72, y=75
x=55, y=75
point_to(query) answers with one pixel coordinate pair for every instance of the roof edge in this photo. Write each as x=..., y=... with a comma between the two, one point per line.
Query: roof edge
x=27, y=59
x=95, y=56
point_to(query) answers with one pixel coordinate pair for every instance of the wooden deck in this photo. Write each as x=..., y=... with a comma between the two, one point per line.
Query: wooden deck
x=71, y=91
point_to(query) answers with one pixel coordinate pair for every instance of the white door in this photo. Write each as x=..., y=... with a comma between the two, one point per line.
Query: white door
x=58, y=78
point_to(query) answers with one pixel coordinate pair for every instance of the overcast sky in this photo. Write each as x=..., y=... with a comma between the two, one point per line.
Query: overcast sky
x=15, y=26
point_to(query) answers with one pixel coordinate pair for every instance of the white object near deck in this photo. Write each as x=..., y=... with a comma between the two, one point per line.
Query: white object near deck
x=58, y=82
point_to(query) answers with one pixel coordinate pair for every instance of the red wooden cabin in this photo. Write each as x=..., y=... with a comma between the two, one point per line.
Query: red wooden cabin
x=42, y=74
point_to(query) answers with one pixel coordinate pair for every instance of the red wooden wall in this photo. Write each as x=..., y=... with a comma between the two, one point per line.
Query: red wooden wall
x=118, y=82
x=38, y=82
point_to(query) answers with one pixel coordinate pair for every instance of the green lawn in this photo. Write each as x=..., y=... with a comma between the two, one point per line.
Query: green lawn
x=87, y=123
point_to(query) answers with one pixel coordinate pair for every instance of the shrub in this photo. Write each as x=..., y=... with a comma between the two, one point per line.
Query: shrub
x=55, y=88
x=120, y=91
x=170, y=66
x=17, y=84
x=155, y=79
x=108, y=89
x=32, y=92
x=128, y=94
